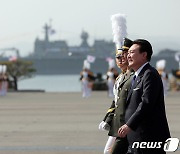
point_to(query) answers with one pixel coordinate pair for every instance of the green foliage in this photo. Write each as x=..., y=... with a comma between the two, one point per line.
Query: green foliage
x=19, y=69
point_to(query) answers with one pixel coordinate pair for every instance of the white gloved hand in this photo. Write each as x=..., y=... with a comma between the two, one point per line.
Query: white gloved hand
x=100, y=125
x=104, y=126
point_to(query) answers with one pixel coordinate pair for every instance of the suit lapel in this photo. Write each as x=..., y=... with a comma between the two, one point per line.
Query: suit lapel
x=137, y=81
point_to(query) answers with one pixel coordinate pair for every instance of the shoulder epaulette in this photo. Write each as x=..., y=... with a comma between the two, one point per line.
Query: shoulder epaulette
x=110, y=110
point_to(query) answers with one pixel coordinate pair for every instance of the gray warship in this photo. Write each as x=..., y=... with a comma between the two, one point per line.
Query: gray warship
x=57, y=57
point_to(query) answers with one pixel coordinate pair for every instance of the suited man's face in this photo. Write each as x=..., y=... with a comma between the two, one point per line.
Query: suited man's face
x=135, y=58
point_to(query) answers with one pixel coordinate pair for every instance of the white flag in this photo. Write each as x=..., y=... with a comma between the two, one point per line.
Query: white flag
x=108, y=59
x=177, y=56
x=13, y=58
x=91, y=59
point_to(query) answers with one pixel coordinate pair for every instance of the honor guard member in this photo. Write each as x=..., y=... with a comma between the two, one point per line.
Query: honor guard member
x=160, y=66
x=112, y=74
x=87, y=78
x=3, y=80
x=114, y=118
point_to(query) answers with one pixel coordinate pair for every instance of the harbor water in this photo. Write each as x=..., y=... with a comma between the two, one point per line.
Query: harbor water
x=51, y=83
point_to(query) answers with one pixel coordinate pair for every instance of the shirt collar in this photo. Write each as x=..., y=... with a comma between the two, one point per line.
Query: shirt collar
x=139, y=69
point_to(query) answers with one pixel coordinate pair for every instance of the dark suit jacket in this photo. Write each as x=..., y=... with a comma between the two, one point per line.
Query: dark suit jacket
x=117, y=118
x=145, y=109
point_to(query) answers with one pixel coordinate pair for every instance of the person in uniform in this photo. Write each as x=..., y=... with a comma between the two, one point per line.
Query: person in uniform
x=112, y=74
x=160, y=66
x=3, y=80
x=87, y=78
x=114, y=118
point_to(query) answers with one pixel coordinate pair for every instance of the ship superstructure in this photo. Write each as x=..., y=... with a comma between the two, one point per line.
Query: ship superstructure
x=59, y=49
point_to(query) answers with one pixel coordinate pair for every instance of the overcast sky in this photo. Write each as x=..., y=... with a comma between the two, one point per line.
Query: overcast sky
x=21, y=21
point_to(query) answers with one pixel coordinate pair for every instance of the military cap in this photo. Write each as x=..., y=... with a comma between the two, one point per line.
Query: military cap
x=125, y=47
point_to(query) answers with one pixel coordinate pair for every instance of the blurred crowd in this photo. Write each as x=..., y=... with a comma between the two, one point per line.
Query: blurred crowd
x=91, y=81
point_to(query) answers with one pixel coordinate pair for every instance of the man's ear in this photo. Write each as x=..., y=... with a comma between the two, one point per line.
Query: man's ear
x=144, y=55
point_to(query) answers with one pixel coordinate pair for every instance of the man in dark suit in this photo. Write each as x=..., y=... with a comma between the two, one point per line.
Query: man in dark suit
x=145, y=115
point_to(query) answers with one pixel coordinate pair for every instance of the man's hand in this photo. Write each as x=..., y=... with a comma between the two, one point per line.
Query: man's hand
x=124, y=130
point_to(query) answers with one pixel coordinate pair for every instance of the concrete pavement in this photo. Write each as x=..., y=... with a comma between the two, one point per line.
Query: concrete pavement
x=62, y=123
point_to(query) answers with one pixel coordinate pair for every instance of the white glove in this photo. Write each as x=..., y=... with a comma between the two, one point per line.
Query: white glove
x=100, y=125
x=104, y=126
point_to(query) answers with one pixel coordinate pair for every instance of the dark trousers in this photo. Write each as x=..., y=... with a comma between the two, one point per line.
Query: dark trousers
x=120, y=146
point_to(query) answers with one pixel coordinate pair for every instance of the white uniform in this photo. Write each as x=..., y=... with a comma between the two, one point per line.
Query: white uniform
x=109, y=144
x=110, y=83
x=86, y=89
x=3, y=82
x=160, y=66
x=165, y=83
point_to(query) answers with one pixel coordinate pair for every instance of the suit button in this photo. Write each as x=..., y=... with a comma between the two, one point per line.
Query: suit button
x=114, y=115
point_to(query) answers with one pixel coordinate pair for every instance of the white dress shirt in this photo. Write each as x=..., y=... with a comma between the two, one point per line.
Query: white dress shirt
x=139, y=69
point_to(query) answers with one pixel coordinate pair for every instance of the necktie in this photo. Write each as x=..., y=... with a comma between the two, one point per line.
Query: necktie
x=133, y=81
x=131, y=87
